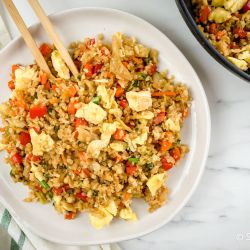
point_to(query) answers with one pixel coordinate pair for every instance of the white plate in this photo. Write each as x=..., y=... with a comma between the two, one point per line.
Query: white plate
x=74, y=25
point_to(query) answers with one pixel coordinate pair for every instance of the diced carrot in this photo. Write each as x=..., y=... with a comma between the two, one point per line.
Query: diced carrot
x=38, y=111
x=24, y=138
x=98, y=68
x=20, y=103
x=165, y=146
x=119, y=134
x=165, y=93
x=71, y=107
x=169, y=136
x=90, y=42
x=160, y=117
x=53, y=87
x=123, y=103
x=71, y=91
x=166, y=164
x=240, y=32
x=45, y=49
x=82, y=196
x=220, y=34
x=33, y=158
x=185, y=113
x=82, y=156
x=152, y=69
x=119, y=91
x=213, y=28
x=13, y=69
x=130, y=168
x=86, y=172
x=127, y=196
x=89, y=69
x=176, y=153
x=204, y=13
x=58, y=191
x=43, y=78
x=118, y=158
x=16, y=158
x=80, y=121
x=78, y=64
x=11, y=85
x=125, y=63
x=36, y=129
x=69, y=216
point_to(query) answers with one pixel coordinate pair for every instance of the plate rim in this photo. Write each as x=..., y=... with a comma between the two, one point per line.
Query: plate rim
x=206, y=138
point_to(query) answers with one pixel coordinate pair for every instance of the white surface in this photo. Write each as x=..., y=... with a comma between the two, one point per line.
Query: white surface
x=182, y=180
x=217, y=216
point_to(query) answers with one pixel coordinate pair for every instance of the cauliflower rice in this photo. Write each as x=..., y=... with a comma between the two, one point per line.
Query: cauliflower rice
x=94, y=143
x=226, y=24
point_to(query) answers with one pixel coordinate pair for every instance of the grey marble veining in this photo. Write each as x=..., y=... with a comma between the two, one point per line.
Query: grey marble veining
x=218, y=214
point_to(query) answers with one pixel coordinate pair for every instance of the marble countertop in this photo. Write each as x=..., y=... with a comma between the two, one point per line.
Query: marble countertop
x=218, y=214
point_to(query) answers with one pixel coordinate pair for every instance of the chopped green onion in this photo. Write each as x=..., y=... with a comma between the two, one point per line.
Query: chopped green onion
x=56, y=128
x=136, y=83
x=44, y=184
x=50, y=109
x=94, y=193
x=146, y=60
x=41, y=197
x=133, y=160
x=96, y=99
x=143, y=76
x=149, y=166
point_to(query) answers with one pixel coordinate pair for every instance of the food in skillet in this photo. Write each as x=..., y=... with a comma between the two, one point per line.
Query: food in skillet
x=94, y=143
x=226, y=24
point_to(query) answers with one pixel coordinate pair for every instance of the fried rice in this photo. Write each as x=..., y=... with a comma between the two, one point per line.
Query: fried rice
x=95, y=143
x=226, y=24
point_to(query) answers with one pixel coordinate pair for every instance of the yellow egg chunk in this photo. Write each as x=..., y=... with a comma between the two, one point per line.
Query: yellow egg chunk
x=127, y=214
x=92, y=113
x=155, y=182
x=59, y=65
x=102, y=220
x=41, y=142
x=139, y=101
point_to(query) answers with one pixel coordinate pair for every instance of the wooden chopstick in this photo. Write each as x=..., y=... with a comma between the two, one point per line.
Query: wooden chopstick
x=27, y=36
x=47, y=25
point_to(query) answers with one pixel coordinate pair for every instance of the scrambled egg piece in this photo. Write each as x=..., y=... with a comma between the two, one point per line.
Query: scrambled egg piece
x=111, y=208
x=107, y=130
x=118, y=146
x=2, y=146
x=23, y=76
x=173, y=124
x=245, y=55
x=242, y=64
x=127, y=214
x=4, y=109
x=141, y=51
x=217, y=3
x=116, y=65
x=38, y=174
x=234, y=5
x=140, y=140
x=92, y=113
x=41, y=142
x=59, y=65
x=139, y=101
x=107, y=96
x=155, y=182
x=99, y=221
x=148, y=115
x=219, y=15
x=95, y=147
